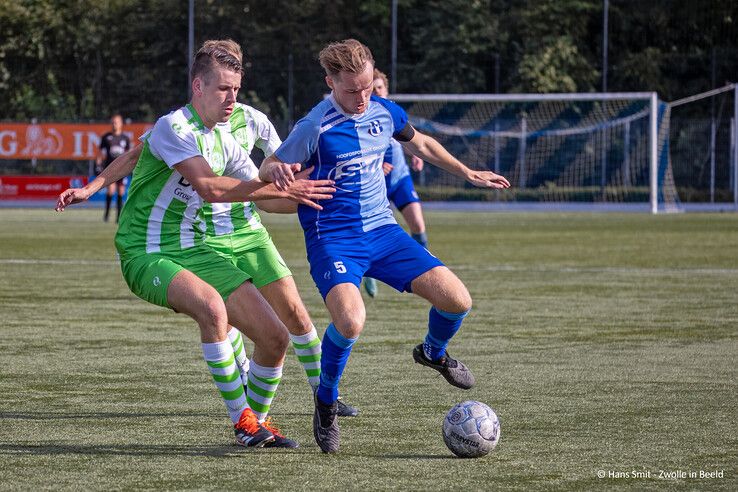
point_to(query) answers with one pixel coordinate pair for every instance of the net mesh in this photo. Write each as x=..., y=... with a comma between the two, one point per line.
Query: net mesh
x=702, y=146
x=551, y=150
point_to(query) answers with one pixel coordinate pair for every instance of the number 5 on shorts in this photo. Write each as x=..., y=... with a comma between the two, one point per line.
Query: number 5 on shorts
x=340, y=267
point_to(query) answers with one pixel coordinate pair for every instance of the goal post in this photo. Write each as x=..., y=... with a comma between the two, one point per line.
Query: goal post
x=703, y=148
x=596, y=150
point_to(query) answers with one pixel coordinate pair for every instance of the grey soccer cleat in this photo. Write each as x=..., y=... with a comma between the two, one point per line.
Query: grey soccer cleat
x=325, y=426
x=346, y=410
x=456, y=373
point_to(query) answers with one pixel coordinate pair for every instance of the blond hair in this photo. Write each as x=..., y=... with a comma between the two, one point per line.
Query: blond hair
x=228, y=45
x=378, y=74
x=225, y=53
x=348, y=55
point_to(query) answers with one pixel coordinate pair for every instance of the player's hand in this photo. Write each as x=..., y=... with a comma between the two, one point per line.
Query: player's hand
x=416, y=163
x=282, y=175
x=387, y=168
x=70, y=196
x=306, y=191
x=487, y=179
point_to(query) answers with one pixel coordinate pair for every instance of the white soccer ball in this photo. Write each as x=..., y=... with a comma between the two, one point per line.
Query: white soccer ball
x=471, y=429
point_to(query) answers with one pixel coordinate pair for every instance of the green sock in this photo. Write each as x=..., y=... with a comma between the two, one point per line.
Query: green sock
x=307, y=348
x=222, y=365
x=239, y=351
x=261, y=388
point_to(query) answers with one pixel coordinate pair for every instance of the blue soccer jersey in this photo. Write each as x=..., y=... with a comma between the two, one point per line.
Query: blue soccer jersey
x=348, y=149
x=396, y=157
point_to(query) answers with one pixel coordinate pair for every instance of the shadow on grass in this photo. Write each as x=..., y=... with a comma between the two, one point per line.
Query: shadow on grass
x=411, y=456
x=54, y=449
x=122, y=415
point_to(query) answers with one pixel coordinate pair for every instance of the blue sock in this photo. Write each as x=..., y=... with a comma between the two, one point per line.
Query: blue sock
x=422, y=238
x=442, y=326
x=335, y=353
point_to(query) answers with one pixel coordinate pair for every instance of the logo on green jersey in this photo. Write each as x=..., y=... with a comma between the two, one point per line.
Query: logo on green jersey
x=242, y=137
x=217, y=163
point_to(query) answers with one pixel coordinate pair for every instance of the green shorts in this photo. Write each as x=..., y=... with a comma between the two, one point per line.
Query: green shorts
x=259, y=259
x=149, y=275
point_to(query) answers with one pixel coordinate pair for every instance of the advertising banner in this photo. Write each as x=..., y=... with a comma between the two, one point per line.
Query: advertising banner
x=62, y=141
x=41, y=187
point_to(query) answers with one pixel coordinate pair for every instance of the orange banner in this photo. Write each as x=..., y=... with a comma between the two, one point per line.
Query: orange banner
x=74, y=141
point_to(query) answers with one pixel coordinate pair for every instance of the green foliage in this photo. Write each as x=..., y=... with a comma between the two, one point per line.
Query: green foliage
x=447, y=46
x=557, y=67
x=84, y=59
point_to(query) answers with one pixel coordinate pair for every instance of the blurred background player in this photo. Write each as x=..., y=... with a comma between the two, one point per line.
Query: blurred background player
x=112, y=145
x=400, y=189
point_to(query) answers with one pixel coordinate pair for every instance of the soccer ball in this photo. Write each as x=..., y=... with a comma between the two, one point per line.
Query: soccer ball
x=471, y=429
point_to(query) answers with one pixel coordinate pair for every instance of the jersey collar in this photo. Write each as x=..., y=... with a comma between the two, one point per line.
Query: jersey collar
x=353, y=116
x=195, y=117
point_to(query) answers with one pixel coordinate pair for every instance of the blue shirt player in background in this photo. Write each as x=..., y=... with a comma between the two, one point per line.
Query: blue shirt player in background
x=400, y=189
x=345, y=138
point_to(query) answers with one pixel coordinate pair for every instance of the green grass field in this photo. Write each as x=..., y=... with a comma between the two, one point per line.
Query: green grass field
x=604, y=342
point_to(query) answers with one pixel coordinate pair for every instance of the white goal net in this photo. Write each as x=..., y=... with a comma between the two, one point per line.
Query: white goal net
x=593, y=150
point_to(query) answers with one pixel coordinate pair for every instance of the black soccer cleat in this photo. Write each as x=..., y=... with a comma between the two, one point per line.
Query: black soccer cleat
x=325, y=426
x=346, y=410
x=250, y=433
x=456, y=373
x=280, y=441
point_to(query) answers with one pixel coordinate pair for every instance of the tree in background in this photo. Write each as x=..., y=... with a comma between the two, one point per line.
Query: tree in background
x=83, y=59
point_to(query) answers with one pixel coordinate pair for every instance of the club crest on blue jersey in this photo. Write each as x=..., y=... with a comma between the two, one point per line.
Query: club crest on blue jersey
x=375, y=128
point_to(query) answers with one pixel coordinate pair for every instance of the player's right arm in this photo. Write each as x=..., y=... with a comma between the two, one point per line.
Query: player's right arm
x=280, y=167
x=275, y=171
x=121, y=167
x=101, y=155
x=213, y=188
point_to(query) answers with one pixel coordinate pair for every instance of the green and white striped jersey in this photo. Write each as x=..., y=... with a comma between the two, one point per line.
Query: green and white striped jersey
x=251, y=128
x=163, y=212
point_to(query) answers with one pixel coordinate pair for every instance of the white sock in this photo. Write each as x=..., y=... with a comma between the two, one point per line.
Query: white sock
x=239, y=351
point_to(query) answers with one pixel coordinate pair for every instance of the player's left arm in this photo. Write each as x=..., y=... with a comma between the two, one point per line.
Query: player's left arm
x=121, y=167
x=416, y=163
x=273, y=170
x=277, y=206
x=429, y=149
x=267, y=138
x=102, y=154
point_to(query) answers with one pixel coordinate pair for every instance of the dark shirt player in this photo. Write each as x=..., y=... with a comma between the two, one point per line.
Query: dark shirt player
x=112, y=145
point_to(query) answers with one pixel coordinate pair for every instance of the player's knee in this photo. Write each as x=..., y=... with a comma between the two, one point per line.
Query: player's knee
x=279, y=342
x=298, y=321
x=458, y=302
x=273, y=347
x=350, y=324
x=212, y=316
x=464, y=301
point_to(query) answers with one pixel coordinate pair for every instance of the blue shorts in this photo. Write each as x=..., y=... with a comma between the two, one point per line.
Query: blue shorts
x=386, y=253
x=403, y=193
